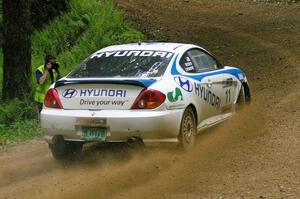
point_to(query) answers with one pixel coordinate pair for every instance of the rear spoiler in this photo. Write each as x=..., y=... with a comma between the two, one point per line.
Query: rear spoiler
x=143, y=82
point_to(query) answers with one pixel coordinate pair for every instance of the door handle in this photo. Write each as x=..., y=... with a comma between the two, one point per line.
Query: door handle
x=228, y=80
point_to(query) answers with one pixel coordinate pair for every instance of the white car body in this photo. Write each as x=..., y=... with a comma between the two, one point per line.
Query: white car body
x=105, y=103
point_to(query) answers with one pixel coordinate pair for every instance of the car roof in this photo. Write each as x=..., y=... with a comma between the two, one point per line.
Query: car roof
x=149, y=45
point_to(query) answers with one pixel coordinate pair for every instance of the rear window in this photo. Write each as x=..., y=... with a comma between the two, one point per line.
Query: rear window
x=132, y=63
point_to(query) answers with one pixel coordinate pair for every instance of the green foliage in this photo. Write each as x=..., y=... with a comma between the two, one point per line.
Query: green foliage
x=16, y=110
x=44, y=11
x=16, y=121
x=87, y=26
x=18, y=131
x=1, y=71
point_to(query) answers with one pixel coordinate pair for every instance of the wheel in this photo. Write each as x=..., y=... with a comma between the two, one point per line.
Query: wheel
x=243, y=98
x=188, y=129
x=63, y=150
x=135, y=142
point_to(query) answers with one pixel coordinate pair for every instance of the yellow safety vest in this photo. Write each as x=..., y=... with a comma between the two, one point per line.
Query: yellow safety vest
x=40, y=90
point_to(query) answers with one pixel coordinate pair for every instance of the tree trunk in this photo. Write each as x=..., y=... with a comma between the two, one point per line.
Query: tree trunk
x=16, y=49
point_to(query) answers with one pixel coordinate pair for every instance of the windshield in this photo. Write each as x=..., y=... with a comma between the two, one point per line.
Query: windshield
x=134, y=63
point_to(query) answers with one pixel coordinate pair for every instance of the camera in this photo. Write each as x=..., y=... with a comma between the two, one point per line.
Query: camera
x=54, y=66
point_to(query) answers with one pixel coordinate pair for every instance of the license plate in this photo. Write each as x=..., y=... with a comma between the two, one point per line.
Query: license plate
x=94, y=133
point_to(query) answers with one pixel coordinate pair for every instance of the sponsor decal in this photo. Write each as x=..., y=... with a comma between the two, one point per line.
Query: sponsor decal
x=189, y=68
x=188, y=64
x=102, y=93
x=184, y=83
x=102, y=102
x=174, y=96
x=207, y=95
x=127, y=53
x=69, y=93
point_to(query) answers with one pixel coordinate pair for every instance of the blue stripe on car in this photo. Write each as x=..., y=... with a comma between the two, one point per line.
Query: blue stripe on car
x=146, y=82
x=233, y=71
x=139, y=82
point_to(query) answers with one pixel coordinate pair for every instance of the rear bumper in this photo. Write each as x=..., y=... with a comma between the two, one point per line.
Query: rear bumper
x=150, y=126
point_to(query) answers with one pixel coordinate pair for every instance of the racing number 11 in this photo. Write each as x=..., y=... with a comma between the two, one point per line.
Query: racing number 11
x=227, y=95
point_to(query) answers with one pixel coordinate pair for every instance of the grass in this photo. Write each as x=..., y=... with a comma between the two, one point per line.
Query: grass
x=19, y=131
x=87, y=26
x=16, y=121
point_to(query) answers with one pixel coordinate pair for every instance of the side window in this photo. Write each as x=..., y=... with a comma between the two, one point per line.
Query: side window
x=187, y=64
x=201, y=61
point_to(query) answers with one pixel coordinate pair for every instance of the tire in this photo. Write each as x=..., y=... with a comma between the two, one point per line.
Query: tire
x=244, y=98
x=135, y=142
x=65, y=150
x=188, y=130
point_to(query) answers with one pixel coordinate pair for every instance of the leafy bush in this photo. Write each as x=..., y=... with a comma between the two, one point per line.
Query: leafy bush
x=19, y=131
x=41, y=13
x=91, y=25
x=87, y=26
x=44, y=11
x=17, y=121
x=16, y=110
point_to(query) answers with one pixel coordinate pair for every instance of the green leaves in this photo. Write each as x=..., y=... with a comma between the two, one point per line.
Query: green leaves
x=19, y=131
x=15, y=110
x=87, y=26
x=17, y=121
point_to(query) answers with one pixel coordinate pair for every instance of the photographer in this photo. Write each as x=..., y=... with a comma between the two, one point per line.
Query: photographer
x=46, y=75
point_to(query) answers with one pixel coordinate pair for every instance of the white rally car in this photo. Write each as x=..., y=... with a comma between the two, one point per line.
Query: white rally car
x=146, y=91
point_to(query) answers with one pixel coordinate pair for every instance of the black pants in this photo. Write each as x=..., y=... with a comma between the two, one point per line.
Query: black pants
x=39, y=106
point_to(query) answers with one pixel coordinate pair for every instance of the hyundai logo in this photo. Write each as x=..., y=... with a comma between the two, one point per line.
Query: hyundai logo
x=69, y=93
x=184, y=83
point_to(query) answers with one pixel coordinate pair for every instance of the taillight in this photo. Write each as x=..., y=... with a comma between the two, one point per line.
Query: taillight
x=149, y=99
x=52, y=100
